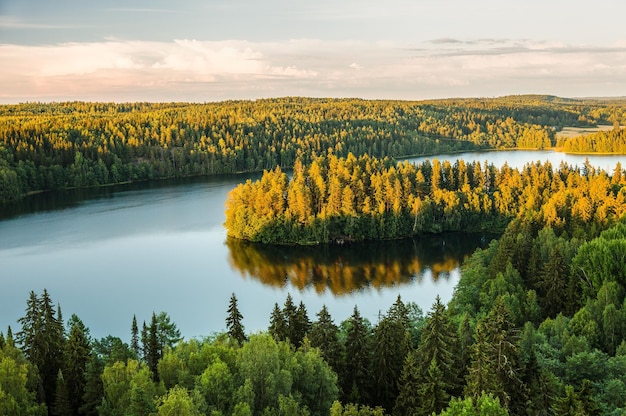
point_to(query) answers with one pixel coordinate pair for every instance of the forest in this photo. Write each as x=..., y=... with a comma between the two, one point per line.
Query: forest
x=55, y=146
x=535, y=326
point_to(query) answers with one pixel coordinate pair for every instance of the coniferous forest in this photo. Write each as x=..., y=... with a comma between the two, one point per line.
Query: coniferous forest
x=80, y=144
x=536, y=324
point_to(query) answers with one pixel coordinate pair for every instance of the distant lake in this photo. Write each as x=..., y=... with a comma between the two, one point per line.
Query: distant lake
x=108, y=253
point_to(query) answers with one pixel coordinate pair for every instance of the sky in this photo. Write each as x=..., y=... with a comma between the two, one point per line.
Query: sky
x=215, y=50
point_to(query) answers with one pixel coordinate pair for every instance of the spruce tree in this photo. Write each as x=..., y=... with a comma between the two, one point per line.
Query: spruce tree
x=324, y=335
x=289, y=312
x=62, y=405
x=464, y=348
x=233, y=321
x=153, y=350
x=355, y=380
x=77, y=354
x=144, y=341
x=569, y=404
x=134, y=336
x=278, y=324
x=390, y=347
x=94, y=387
x=301, y=326
x=587, y=401
x=41, y=339
x=553, y=284
x=437, y=370
x=408, y=402
x=494, y=368
x=53, y=345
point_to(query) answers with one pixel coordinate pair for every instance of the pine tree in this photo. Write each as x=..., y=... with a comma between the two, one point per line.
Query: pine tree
x=233, y=321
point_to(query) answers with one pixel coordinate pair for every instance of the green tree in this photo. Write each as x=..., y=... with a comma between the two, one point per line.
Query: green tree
x=134, y=336
x=436, y=367
x=408, y=402
x=314, y=381
x=62, y=405
x=233, y=321
x=217, y=386
x=76, y=357
x=484, y=405
x=324, y=335
x=15, y=396
x=178, y=402
x=495, y=359
x=261, y=365
x=389, y=347
x=123, y=383
x=94, y=388
x=278, y=324
x=569, y=404
x=356, y=378
x=42, y=339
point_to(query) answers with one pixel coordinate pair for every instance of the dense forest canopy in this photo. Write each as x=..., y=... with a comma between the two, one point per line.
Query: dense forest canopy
x=79, y=144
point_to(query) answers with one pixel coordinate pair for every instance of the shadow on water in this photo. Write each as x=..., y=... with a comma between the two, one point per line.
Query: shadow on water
x=346, y=269
x=72, y=198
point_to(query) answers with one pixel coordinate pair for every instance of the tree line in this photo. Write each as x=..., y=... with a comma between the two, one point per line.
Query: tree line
x=81, y=144
x=611, y=141
x=353, y=199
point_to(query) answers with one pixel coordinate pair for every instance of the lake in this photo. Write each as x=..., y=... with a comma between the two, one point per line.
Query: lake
x=108, y=253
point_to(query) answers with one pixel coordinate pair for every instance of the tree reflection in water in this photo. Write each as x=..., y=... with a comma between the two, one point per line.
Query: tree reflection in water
x=354, y=267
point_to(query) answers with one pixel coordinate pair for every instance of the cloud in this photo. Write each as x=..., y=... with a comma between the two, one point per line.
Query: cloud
x=194, y=70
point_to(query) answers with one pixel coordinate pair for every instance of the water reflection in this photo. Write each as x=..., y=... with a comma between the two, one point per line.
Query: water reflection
x=346, y=269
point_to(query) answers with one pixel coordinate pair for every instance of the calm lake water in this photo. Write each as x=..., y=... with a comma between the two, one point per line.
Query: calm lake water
x=106, y=254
